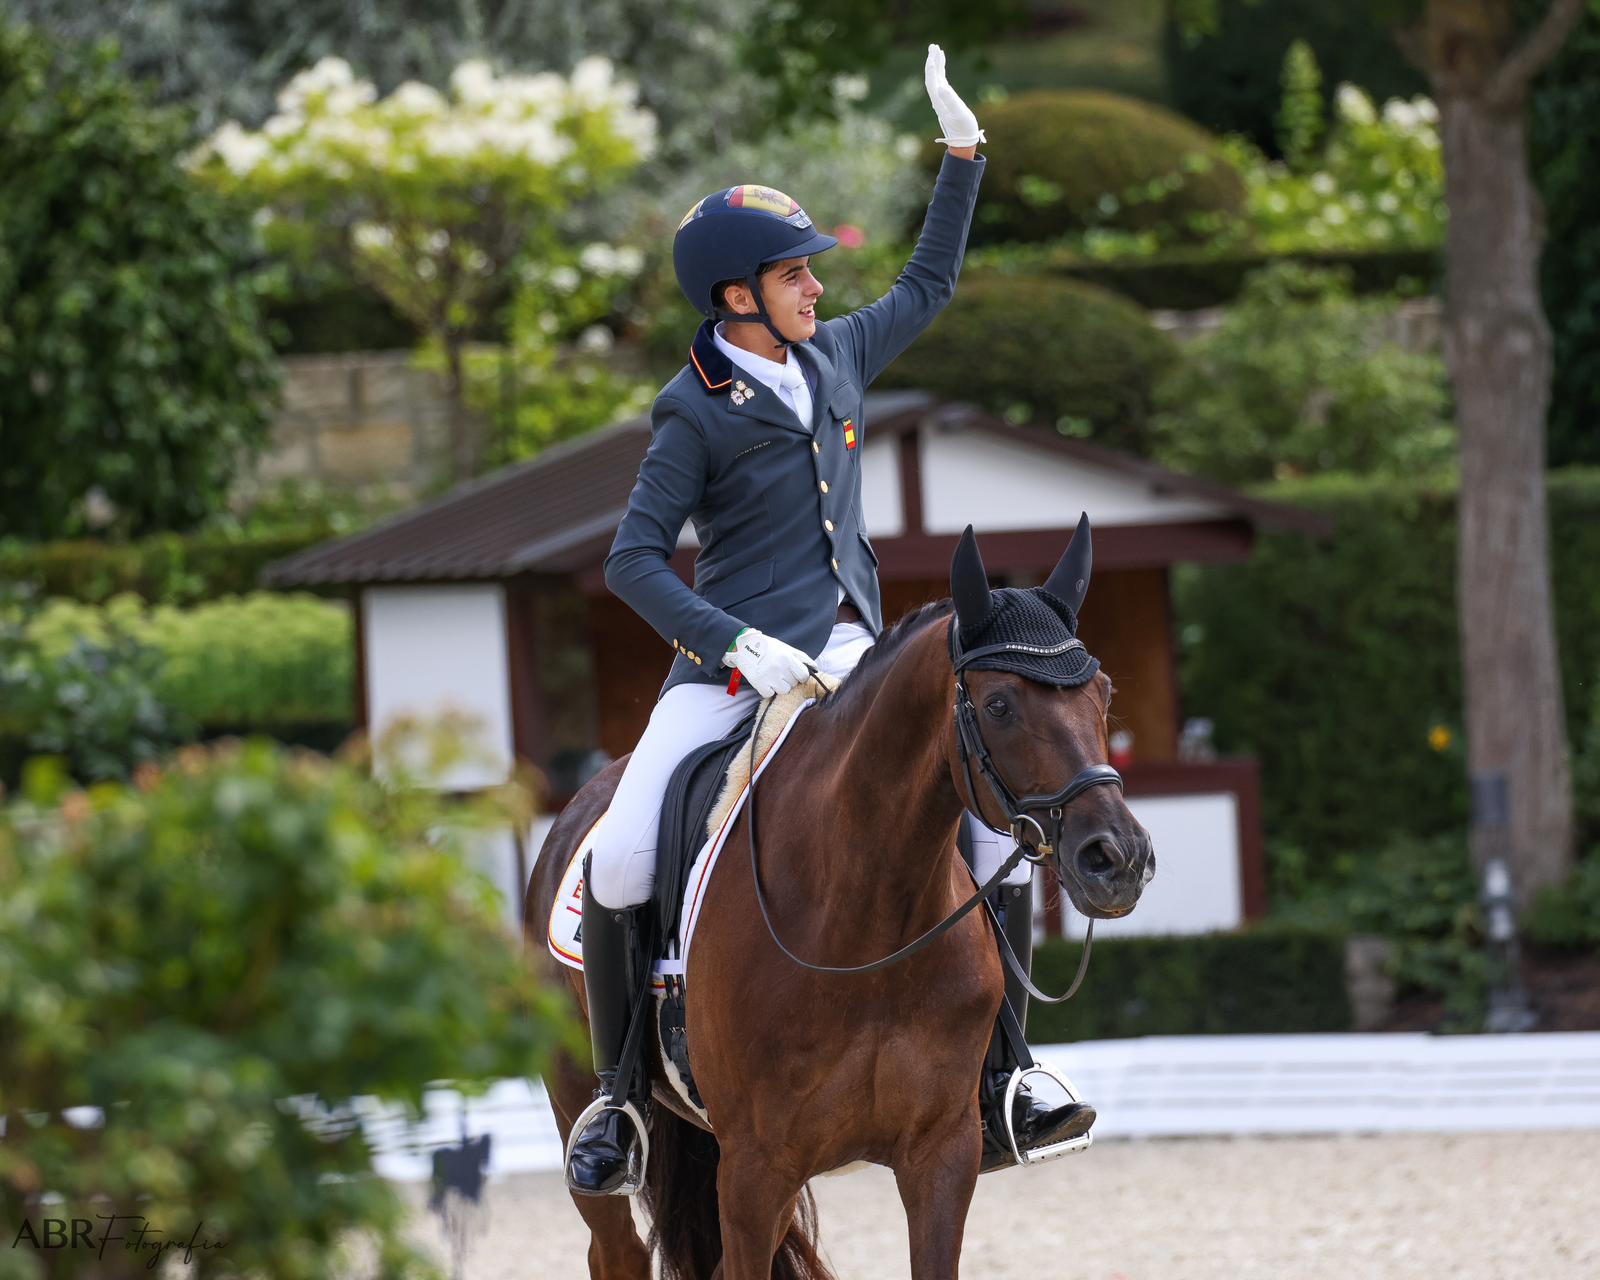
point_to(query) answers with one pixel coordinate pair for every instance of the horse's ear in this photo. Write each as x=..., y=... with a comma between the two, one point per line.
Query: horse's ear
x=1069, y=580
x=969, y=584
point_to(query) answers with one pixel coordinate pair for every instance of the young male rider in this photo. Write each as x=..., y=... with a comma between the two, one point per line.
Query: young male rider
x=758, y=441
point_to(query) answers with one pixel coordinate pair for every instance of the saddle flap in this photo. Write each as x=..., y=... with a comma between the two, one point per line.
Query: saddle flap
x=691, y=792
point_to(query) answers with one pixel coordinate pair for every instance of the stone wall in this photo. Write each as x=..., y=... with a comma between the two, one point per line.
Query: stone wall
x=362, y=420
x=369, y=420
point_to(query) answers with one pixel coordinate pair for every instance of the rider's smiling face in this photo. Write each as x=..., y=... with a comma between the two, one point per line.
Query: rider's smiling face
x=790, y=293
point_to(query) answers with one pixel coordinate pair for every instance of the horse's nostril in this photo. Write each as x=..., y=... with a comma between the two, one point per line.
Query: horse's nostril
x=1093, y=859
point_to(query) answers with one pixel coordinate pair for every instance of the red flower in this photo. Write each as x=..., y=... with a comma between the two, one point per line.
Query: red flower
x=851, y=237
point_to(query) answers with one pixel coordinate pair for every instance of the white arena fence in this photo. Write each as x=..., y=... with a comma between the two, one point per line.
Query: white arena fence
x=1170, y=1086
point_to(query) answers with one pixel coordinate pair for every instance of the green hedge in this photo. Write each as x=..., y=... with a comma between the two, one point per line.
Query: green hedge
x=1044, y=350
x=1331, y=661
x=254, y=661
x=1258, y=981
x=1064, y=162
x=167, y=569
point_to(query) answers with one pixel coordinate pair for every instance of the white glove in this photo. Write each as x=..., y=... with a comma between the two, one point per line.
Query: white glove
x=960, y=126
x=770, y=666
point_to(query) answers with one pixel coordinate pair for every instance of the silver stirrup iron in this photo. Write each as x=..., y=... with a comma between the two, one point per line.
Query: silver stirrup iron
x=638, y=1156
x=1056, y=1149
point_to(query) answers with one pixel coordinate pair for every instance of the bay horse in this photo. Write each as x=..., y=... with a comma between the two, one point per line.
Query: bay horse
x=803, y=1072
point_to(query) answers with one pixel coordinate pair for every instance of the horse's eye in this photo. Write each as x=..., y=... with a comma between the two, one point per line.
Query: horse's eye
x=996, y=707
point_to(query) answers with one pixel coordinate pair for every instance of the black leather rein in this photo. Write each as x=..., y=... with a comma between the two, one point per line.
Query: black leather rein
x=969, y=738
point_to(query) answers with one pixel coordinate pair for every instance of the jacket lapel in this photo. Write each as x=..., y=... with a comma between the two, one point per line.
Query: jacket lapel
x=746, y=396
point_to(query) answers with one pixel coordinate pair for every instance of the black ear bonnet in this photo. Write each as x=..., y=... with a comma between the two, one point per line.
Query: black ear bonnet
x=1031, y=633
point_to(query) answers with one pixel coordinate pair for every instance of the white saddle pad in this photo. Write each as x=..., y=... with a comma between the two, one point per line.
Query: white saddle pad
x=566, y=913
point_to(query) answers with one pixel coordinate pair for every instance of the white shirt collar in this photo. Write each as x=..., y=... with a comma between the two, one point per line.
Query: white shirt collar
x=768, y=372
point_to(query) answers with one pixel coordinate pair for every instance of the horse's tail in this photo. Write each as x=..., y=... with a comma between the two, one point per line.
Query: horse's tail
x=680, y=1194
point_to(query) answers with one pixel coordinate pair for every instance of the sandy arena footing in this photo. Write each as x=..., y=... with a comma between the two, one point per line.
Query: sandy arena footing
x=1407, y=1207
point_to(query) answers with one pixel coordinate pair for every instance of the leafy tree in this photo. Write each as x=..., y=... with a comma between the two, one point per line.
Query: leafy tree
x=224, y=960
x=1498, y=347
x=134, y=377
x=1562, y=109
x=432, y=200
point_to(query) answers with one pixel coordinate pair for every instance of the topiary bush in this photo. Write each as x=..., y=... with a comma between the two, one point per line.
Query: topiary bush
x=1064, y=162
x=1040, y=349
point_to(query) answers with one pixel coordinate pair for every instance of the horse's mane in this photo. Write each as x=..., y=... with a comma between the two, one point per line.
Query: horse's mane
x=875, y=661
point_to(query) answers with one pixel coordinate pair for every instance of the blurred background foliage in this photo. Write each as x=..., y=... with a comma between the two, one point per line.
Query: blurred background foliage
x=228, y=961
x=135, y=379
x=1280, y=166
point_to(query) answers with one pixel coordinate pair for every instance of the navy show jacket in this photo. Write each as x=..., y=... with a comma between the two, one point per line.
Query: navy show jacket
x=776, y=504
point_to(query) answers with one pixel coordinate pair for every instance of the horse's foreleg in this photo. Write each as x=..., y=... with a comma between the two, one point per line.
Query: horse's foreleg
x=756, y=1200
x=615, y=1250
x=936, y=1182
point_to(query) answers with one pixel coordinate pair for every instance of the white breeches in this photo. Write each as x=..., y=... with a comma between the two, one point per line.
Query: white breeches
x=623, y=869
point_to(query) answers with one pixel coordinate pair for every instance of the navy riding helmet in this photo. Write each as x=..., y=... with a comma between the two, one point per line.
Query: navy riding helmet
x=730, y=235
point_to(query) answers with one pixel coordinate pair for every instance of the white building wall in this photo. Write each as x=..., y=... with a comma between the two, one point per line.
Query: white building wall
x=995, y=484
x=1197, y=887
x=437, y=652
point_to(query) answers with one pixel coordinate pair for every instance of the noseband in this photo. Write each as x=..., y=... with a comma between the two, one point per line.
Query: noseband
x=969, y=738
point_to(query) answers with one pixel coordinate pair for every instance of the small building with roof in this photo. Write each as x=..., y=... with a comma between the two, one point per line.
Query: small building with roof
x=490, y=602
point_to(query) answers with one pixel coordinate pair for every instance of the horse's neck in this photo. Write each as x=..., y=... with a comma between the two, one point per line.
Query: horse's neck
x=884, y=762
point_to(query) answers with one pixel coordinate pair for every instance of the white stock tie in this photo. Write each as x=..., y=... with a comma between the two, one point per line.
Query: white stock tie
x=792, y=382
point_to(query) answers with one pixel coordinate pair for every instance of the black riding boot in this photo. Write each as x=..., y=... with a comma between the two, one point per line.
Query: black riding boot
x=1036, y=1123
x=599, y=1160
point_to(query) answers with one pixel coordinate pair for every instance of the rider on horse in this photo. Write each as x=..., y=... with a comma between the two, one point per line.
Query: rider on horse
x=758, y=441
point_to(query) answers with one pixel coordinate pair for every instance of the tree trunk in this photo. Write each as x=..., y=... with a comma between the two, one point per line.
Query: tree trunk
x=465, y=456
x=1498, y=348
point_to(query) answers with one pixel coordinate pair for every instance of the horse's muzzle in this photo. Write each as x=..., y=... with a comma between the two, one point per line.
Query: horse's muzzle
x=1107, y=872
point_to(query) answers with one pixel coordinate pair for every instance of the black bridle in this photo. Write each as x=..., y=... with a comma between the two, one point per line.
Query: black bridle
x=969, y=739
x=970, y=742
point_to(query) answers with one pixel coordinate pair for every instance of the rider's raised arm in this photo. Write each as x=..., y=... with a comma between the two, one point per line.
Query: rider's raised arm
x=670, y=486
x=873, y=336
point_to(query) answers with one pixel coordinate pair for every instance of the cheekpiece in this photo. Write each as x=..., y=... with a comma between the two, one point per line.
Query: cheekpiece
x=1031, y=633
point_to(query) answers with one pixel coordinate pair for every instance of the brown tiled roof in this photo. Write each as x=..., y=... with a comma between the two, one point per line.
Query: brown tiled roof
x=526, y=518
x=558, y=512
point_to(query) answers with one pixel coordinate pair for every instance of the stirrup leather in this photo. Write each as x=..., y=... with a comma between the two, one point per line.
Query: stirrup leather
x=1040, y=1155
x=638, y=1151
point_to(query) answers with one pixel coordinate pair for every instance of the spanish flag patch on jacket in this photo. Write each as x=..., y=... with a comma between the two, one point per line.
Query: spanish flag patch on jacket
x=849, y=434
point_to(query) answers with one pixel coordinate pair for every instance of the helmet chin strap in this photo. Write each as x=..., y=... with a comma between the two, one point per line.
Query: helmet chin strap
x=753, y=283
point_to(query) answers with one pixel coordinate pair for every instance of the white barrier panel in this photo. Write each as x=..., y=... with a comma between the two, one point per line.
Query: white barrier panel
x=1174, y=1086
x=1197, y=885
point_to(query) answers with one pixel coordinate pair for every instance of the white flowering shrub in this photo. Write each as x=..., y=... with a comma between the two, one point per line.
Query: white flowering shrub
x=432, y=197
x=558, y=375
x=1379, y=183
